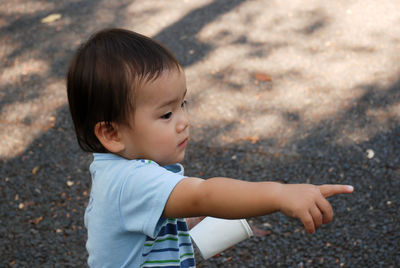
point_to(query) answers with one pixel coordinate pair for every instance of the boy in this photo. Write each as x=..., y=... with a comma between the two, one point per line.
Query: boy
x=126, y=95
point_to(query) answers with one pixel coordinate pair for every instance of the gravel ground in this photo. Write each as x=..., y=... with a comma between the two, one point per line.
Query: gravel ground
x=290, y=91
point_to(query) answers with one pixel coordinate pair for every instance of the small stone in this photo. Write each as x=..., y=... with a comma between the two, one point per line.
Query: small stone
x=266, y=224
x=370, y=154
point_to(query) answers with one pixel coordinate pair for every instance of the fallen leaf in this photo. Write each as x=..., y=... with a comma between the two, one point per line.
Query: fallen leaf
x=263, y=77
x=25, y=204
x=51, y=18
x=29, y=203
x=287, y=234
x=37, y=220
x=259, y=232
x=35, y=170
x=228, y=259
x=252, y=139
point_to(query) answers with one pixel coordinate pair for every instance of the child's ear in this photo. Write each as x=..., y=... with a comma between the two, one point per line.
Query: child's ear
x=109, y=137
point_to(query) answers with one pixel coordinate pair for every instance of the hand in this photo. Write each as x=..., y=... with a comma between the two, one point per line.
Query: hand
x=192, y=222
x=308, y=203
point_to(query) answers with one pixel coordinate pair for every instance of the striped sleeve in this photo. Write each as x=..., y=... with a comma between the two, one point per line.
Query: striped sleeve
x=172, y=246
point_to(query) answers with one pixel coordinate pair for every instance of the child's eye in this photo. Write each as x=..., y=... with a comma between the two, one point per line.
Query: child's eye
x=184, y=104
x=166, y=116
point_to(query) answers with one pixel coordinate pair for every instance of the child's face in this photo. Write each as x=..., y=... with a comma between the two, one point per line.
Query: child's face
x=160, y=127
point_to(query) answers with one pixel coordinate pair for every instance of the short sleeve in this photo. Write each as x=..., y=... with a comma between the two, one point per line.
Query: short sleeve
x=144, y=194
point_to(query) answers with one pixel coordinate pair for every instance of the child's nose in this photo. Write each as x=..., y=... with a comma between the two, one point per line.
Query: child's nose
x=183, y=122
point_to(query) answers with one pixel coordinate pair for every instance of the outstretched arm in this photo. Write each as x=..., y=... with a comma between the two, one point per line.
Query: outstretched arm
x=230, y=198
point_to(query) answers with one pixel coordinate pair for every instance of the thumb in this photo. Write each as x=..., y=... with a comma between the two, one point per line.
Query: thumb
x=328, y=190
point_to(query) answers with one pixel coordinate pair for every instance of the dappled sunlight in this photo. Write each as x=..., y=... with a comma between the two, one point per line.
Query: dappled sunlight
x=315, y=70
x=13, y=73
x=385, y=115
x=255, y=129
x=32, y=84
x=23, y=122
x=381, y=120
x=164, y=15
x=269, y=80
x=7, y=46
x=22, y=7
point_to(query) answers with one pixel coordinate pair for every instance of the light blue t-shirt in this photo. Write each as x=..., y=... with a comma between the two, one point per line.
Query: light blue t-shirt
x=123, y=217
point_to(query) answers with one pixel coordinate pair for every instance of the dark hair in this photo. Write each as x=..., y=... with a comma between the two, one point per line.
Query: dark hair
x=103, y=76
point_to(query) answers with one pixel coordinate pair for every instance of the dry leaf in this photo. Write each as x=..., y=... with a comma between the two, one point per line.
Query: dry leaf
x=228, y=259
x=25, y=204
x=51, y=18
x=37, y=220
x=35, y=170
x=259, y=232
x=263, y=77
x=252, y=139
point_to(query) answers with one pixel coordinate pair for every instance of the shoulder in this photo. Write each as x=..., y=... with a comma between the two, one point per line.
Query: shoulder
x=111, y=163
x=115, y=168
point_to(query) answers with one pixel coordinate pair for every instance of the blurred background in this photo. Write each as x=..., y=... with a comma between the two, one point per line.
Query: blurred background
x=290, y=91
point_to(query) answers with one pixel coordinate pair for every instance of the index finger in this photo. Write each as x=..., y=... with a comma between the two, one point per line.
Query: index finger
x=328, y=190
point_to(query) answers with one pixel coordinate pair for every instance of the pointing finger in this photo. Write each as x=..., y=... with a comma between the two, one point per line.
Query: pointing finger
x=328, y=190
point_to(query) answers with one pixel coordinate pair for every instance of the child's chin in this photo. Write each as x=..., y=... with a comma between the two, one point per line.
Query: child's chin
x=171, y=161
x=179, y=159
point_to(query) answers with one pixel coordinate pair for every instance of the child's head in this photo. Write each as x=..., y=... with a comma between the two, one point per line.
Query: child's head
x=110, y=79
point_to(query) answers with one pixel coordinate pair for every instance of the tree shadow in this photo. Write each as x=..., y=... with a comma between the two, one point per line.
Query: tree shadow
x=181, y=36
x=45, y=189
x=321, y=158
x=52, y=43
x=317, y=20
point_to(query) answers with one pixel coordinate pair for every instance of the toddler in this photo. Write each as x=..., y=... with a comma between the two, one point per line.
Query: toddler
x=126, y=95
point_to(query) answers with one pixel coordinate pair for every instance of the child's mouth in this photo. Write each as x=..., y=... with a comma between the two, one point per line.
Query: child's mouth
x=183, y=143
